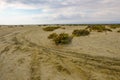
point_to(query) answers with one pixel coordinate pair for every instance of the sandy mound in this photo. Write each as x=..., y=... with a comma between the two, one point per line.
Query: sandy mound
x=27, y=54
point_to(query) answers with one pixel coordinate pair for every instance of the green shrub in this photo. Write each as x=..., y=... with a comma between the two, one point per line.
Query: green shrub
x=50, y=28
x=81, y=32
x=63, y=38
x=53, y=35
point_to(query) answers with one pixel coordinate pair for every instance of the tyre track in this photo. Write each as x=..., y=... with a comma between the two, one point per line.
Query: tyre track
x=106, y=65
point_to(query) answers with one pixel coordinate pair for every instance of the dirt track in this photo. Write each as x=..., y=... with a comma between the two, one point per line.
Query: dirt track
x=27, y=54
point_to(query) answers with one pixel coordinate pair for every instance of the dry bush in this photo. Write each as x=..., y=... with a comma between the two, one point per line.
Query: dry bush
x=62, y=27
x=62, y=38
x=118, y=31
x=98, y=28
x=50, y=28
x=52, y=36
x=108, y=30
x=81, y=32
x=114, y=26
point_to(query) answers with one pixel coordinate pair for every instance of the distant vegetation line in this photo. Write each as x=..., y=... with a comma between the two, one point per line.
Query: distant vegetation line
x=59, y=24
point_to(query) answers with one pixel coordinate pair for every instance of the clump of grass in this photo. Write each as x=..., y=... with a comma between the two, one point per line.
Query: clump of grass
x=5, y=49
x=63, y=38
x=118, y=31
x=81, y=32
x=20, y=61
x=62, y=69
x=98, y=28
x=52, y=36
x=15, y=40
x=50, y=28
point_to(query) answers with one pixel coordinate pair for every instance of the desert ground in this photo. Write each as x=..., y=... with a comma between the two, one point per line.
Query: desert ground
x=26, y=53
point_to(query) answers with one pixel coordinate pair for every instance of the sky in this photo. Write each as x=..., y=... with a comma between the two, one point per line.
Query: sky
x=59, y=11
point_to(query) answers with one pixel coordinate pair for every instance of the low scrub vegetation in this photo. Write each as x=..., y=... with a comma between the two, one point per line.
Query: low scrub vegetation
x=62, y=38
x=62, y=69
x=114, y=26
x=118, y=31
x=52, y=36
x=106, y=29
x=98, y=28
x=81, y=32
x=50, y=28
x=62, y=27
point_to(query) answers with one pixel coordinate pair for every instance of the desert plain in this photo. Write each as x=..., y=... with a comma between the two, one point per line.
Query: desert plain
x=26, y=53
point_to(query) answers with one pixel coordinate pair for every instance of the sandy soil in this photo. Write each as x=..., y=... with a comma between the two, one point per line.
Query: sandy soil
x=27, y=54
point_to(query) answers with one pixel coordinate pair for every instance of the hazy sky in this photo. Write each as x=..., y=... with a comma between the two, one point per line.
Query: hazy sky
x=59, y=11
